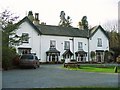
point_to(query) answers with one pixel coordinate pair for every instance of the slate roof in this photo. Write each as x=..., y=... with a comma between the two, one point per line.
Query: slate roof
x=67, y=52
x=62, y=31
x=53, y=50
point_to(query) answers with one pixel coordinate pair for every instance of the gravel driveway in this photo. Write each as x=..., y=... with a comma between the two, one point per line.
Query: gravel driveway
x=51, y=76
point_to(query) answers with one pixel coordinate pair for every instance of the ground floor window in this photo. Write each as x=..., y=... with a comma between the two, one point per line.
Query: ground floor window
x=24, y=50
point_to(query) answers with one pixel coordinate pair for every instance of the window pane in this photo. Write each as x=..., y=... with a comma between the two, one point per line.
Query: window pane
x=52, y=44
x=25, y=37
x=80, y=45
x=67, y=45
x=99, y=42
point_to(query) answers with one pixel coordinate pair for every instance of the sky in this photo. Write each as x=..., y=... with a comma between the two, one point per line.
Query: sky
x=97, y=11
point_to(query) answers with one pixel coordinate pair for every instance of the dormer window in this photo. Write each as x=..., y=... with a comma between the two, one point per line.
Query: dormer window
x=25, y=37
x=99, y=44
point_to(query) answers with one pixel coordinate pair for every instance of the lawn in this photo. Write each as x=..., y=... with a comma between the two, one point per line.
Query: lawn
x=96, y=68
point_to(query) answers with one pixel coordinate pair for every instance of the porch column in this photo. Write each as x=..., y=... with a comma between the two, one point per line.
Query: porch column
x=102, y=55
x=77, y=58
x=85, y=58
x=50, y=58
x=80, y=58
x=55, y=58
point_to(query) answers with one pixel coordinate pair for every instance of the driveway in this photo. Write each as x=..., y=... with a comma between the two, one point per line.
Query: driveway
x=51, y=76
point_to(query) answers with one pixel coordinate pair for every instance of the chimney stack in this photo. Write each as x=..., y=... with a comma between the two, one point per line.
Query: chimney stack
x=30, y=16
x=36, y=20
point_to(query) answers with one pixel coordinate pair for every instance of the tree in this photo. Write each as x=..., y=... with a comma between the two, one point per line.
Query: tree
x=83, y=24
x=9, y=37
x=114, y=36
x=65, y=22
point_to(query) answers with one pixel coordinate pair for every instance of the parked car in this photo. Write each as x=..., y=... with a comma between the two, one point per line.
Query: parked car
x=29, y=60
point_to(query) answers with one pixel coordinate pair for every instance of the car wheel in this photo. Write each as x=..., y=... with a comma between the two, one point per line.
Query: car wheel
x=35, y=66
x=38, y=66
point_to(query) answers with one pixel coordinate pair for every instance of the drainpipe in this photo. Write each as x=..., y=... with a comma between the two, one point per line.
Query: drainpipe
x=72, y=39
x=88, y=46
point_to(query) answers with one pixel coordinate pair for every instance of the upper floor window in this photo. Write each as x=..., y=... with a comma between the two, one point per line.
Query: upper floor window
x=99, y=44
x=52, y=44
x=25, y=37
x=66, y=45
x=80, y=45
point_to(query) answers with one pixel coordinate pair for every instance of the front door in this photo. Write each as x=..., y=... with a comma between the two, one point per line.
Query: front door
x=53, y=58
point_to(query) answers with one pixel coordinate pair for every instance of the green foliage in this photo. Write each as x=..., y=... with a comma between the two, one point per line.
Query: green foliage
x=8, y=53
x=118, y=59
x=65, y=22
x=114, y=42
x=108, y=57
x=8, y=38
x=92, y=55
x=84, y=22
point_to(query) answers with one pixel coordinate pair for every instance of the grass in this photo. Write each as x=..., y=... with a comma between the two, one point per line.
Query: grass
x=97, y=68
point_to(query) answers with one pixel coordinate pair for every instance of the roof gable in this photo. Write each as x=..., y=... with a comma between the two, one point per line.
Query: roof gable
x=56, y=30
x=27, y=20
x=95, y=29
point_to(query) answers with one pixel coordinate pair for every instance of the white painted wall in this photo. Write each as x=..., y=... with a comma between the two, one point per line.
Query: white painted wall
x=45, y=44
x=41, y=43
x=34, y=40
x=94, y=41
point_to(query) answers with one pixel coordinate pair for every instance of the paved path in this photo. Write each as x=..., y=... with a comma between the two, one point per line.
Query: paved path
x=51, y=76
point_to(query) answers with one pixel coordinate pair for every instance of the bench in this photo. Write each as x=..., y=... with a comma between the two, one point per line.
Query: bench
x=72, y=65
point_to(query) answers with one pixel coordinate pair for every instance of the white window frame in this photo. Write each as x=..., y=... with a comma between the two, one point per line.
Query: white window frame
x=26, y=38
x=52, y=44
x=66, y=45
x=99, y=43
x=80, y=45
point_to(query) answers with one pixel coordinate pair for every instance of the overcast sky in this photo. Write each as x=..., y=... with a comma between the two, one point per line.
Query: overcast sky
x=97, y=11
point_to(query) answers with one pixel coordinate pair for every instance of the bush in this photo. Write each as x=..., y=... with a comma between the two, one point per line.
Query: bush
x=118, y=59
x=8, y=53
x=92, y=55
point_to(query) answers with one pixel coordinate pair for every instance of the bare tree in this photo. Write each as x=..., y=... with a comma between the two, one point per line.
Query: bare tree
x=111, y=25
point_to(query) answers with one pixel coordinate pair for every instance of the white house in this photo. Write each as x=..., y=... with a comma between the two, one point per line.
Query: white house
x=54, y=43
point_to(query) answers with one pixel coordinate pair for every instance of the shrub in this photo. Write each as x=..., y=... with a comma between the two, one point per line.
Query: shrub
x=92, y=55
x=8, y=53
x=118, y=59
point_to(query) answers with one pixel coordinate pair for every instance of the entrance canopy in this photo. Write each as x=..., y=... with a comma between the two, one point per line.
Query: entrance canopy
x=81, y=52
x=67, y=52
x=53, y=51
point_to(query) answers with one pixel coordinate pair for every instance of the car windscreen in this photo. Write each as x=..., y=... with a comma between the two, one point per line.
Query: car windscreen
x=27, y=57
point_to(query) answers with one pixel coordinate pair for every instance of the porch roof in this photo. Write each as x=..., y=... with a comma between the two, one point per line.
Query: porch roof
x=53, y=50
x=67, y=52
x=81, y=52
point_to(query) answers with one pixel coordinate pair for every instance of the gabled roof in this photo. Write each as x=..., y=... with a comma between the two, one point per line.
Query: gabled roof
x=67, y=52
x=56, y=30
x=95, y=29
x=28, y=20
x=62, y=31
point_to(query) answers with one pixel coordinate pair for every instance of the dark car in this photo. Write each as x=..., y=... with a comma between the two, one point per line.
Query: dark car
x=29, y=60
